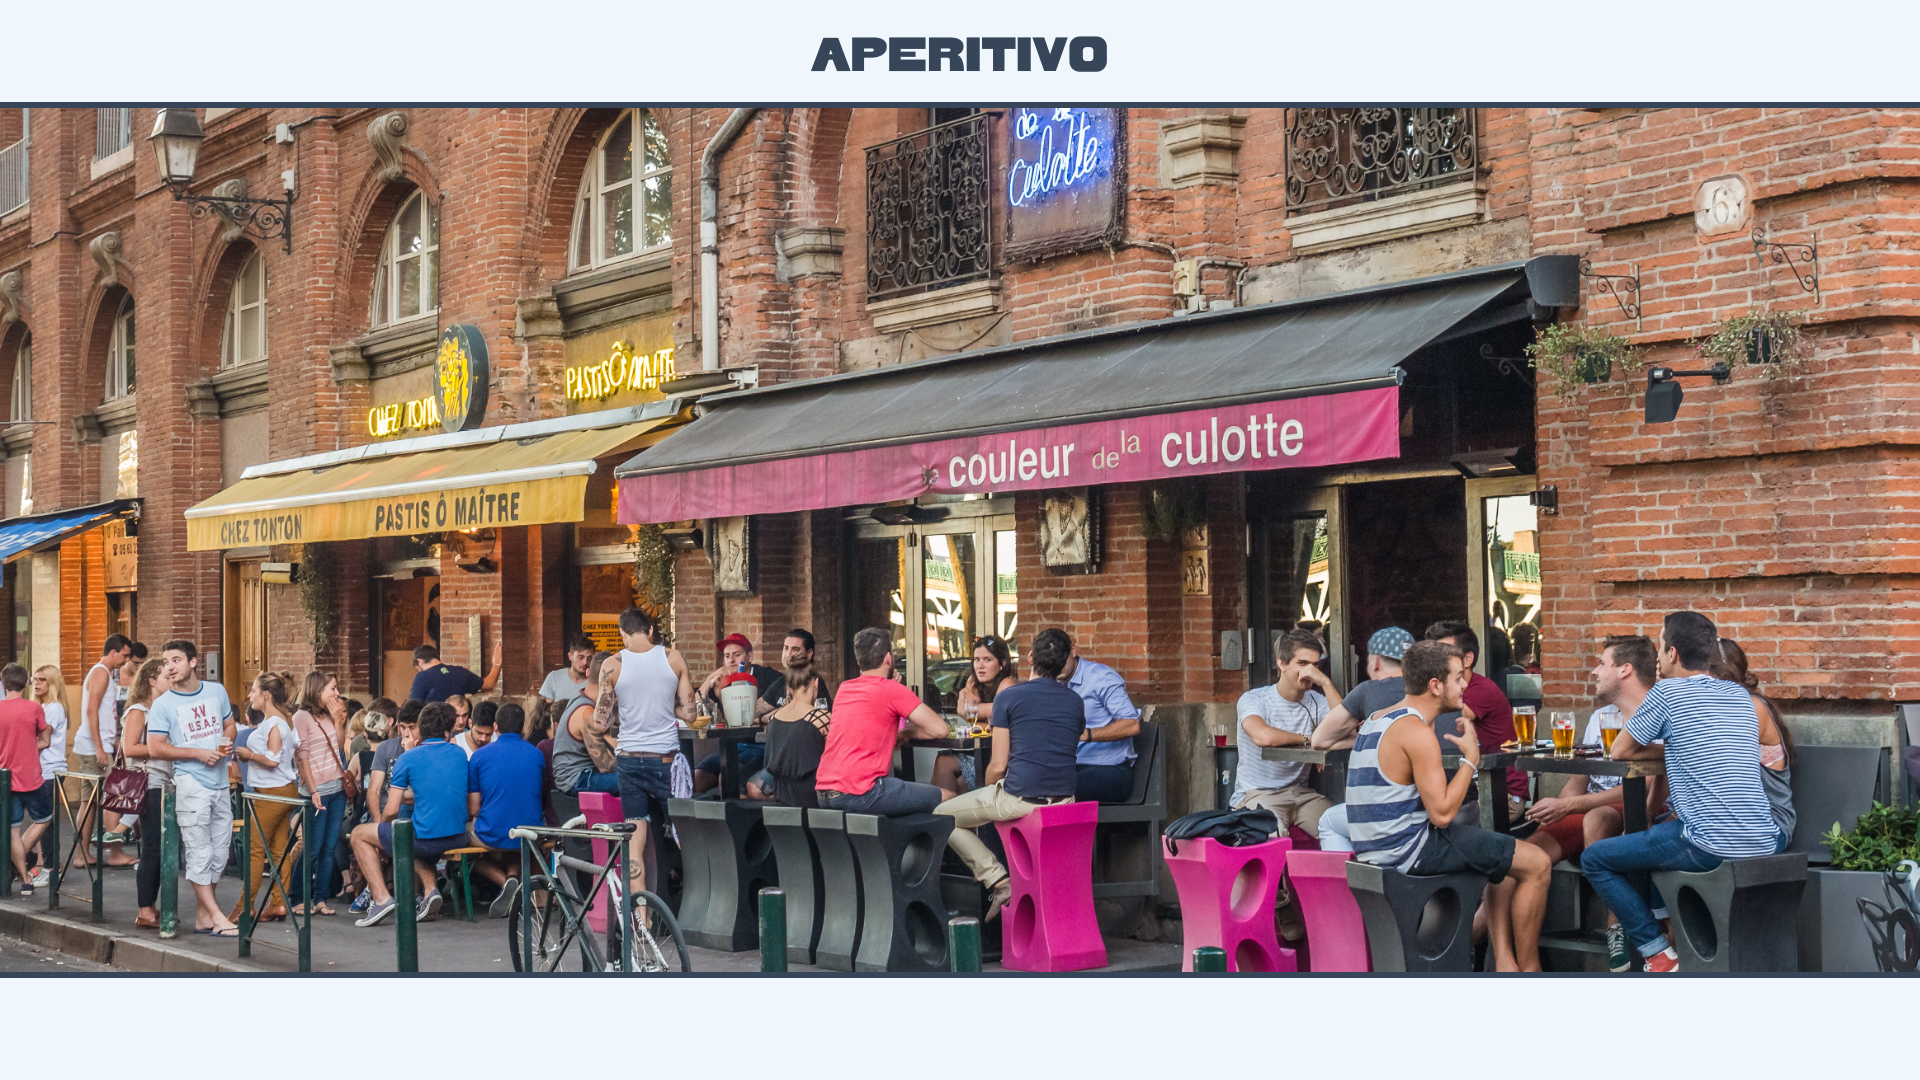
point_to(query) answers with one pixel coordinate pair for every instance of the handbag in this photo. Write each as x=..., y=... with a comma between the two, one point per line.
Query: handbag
x=124, y=791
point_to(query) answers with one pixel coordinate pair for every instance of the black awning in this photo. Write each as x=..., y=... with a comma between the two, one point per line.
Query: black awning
x=1329, y=344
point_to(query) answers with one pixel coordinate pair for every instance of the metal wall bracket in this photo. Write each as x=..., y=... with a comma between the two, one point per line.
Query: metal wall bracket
x=1793, y=257
x=1624, y=288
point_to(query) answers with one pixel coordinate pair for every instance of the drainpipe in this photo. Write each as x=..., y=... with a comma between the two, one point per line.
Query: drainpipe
x=710, y=237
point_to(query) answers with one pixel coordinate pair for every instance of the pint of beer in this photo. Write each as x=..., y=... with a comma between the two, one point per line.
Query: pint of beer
x=1607, y=735
x=1562, y=734
x=1523, y=724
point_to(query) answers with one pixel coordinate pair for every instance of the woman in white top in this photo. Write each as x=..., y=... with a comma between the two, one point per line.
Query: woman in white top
x=269, y=761
x=149, y=682
x=50, y=690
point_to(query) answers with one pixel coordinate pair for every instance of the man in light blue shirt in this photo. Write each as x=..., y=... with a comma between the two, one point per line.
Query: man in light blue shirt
x=1104, y=764
x=191, y=725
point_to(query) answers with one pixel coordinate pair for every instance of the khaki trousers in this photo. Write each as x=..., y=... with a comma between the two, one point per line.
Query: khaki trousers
x=1294, y=805
x=982, y=806
x=273, y=821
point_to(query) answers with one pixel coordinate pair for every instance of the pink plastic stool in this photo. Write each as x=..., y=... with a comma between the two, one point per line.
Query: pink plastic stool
x=1227, y=896
x=1049, y=921
x=599, y=808
x=1336, y=934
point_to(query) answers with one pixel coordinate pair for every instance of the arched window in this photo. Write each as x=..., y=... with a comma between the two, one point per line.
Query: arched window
x=22, y=406
x=407, y=283
x=245, y=338
x=120, y=352
x=626, y=198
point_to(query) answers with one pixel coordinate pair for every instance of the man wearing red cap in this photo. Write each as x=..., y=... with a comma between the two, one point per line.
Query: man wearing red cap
x=736, y=655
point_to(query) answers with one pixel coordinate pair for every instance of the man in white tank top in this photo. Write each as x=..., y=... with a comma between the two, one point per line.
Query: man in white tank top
x=94, y=739
x=644, y=692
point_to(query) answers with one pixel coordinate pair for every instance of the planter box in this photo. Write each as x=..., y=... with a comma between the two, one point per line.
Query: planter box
x=1832, y=937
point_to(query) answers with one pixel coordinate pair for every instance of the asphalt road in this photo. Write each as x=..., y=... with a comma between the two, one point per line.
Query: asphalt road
x=17, y=956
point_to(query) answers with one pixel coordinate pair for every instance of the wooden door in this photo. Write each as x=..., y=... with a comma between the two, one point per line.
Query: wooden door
x=246, y=627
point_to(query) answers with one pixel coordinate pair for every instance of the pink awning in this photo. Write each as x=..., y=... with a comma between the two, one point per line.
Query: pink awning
x=1294, y=432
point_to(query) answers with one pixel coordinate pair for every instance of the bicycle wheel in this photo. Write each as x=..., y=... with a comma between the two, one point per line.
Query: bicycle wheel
x=657, y=947
x=549, y=930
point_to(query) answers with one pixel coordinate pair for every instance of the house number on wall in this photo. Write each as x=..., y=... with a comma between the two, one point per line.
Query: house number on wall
x=1721, y=206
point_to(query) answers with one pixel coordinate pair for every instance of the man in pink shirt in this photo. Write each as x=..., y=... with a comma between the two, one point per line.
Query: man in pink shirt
x=868, y=714
x=23, y=734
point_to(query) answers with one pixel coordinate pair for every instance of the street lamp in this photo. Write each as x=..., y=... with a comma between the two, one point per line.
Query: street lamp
x=176, y=142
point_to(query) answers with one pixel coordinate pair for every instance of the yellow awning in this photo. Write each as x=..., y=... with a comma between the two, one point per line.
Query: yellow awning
x=531, y=481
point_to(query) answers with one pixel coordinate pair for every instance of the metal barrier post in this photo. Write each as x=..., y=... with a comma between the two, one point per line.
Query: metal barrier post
x=773, y=929
x=306, y=885
x=406, y=934
x=50, y=847
x=963, y=943
x=246, y=876
x=1209, y=958
x=169, y=865
x=6, y=821
x=526, y=903
x=625, y=914
x=99, y=874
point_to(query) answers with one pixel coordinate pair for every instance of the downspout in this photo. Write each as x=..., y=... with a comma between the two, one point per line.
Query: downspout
x=710, y=236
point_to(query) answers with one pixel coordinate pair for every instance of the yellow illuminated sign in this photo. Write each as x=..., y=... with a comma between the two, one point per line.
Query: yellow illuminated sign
x=399, y=416
x=621, y=370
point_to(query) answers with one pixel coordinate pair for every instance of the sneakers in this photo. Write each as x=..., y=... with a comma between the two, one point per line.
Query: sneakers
x=40, y=878
x=504, y=903
x=1663, y=962
x=427, y=907
x=1618, y=956
x=118, y=836
x=359, y=905
x=377, y=913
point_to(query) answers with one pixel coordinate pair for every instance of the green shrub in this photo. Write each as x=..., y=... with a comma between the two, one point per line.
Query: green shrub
x=1881, y=838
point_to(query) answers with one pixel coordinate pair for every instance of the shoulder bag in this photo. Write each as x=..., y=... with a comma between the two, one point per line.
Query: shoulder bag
x=124, y=791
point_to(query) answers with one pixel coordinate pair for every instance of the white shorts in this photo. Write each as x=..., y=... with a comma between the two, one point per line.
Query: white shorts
x=206, y=828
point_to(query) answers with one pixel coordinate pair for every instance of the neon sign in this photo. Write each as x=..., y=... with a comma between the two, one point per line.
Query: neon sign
x=392, y=419
x=621, y=370
x=1081, y=154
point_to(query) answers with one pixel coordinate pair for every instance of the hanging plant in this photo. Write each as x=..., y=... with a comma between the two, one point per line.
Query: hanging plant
x=1576, y=354
x=653, y=573
x=1770, y=340
x=316, y=595
x=1170, y=508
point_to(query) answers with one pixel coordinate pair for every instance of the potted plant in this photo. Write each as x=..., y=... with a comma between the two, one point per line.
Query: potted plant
x=1832, y=936
x=1766, y=339
x=1576, y=354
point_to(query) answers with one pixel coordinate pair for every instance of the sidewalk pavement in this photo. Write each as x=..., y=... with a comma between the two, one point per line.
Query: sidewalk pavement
x=447, y=943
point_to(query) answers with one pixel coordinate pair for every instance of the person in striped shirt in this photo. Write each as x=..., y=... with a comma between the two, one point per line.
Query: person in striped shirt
x=1401, y=807
x=1719, y=801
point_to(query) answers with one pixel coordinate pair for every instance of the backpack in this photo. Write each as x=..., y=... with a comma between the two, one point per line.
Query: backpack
x=1236, y=828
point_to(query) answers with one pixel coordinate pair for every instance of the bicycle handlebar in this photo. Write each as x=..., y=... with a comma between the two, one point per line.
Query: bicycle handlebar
x=598, y=832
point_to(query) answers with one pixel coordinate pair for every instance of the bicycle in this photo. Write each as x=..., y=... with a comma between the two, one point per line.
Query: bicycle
x=542, y=938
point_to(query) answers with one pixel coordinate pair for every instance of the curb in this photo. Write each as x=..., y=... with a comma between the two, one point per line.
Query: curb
x=128, y=952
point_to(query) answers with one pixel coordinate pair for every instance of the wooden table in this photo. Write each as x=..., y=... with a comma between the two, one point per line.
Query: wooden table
x=980, y=747
x=1634, y=774
x=699, y=745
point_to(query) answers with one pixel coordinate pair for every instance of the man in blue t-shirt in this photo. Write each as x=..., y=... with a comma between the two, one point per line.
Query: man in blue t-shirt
x=1037, y=727
x=1712, y=753
x=191, y=725
x=435, y=681
x=433, y=778
x=504, y=779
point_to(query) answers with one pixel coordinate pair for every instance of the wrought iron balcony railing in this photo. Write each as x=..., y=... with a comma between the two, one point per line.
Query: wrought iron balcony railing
x=928, y=220
x=13, y=176
x=1336, y=157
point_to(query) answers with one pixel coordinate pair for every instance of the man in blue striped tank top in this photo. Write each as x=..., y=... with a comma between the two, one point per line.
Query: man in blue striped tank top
x=1401, y=806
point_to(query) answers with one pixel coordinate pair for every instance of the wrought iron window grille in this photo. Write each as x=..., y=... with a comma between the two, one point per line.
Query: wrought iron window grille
x=929, y=221
x=1336, y=157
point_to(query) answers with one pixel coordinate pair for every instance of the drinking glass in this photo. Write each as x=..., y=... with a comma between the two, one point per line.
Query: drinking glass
x=1609, y=733
x=1219, y=734
x=1562, y=733
x=1523, y=725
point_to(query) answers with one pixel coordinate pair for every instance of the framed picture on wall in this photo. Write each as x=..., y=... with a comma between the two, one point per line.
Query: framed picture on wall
x=730, y=546
x=1070, y=531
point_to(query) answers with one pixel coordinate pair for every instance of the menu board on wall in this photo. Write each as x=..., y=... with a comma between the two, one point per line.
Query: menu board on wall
x=1066, y=180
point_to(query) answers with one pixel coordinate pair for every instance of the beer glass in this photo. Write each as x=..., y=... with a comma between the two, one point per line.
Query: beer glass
x=1523, y=725
x=1562, y=733
x=1609, y=730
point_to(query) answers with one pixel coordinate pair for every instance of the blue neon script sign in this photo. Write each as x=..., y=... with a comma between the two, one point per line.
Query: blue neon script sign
x=1065, y=180
x=1056, y=149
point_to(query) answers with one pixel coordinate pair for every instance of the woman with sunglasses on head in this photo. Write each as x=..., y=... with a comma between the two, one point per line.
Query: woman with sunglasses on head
x=992, y=672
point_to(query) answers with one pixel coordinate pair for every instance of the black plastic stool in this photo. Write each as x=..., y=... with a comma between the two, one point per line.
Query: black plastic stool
x=840, y=900
x=1422, y=923
x=799, y=863
x=903, y=919
x=1743, y=915
x=727, y=858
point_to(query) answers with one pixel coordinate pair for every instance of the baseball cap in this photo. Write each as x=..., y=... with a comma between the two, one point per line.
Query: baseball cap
x=1391, y=643
x=741, y=640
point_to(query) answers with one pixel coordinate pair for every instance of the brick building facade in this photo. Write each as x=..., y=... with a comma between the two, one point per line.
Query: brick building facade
x=1770, y=502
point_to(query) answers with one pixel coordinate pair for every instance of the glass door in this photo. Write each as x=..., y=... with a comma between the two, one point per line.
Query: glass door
x=1504, y=551
x=1295, y=578
x=938, y=587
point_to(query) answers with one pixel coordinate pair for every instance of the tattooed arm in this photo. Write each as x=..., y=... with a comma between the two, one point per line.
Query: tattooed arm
x=598, y=743
x=606, y=706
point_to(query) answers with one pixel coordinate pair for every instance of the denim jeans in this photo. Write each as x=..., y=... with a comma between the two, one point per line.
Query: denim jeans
x=1608, y=862
x=325, y=841
x=1103, y=783
x=607, y=783
x=889, y=796
x=646, y=783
